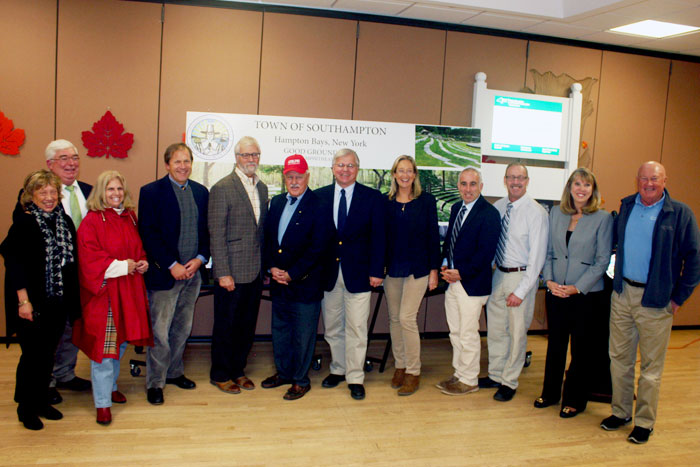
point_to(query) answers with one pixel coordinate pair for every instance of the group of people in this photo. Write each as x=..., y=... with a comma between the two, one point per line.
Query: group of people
x=74, y=248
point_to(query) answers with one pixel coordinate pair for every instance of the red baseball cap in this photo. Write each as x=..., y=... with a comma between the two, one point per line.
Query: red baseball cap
x=295, y=163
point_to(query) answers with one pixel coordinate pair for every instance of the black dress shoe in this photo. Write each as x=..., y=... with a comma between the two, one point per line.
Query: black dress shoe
x=357, y=391
x=75, y=384
x=29, y=418
x=542, y=402
x=182, y=382
x=569, y=412
x=332, y=380
x=50, y=413
x=296, y=392
x=53, y=397
x=275, y=381
x=504, y=393
x=155, y=396
x=487, y=383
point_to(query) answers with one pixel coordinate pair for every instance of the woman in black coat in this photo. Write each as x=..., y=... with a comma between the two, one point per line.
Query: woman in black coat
x=41, y=289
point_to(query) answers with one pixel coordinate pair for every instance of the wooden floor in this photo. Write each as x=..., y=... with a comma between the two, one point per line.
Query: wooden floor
x=327, y=427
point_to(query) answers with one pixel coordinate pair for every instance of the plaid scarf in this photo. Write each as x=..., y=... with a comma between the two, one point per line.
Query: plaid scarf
x=58, y=245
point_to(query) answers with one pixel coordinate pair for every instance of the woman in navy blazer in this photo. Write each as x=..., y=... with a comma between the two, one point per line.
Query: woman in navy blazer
x=413, y=259
x=580, y=242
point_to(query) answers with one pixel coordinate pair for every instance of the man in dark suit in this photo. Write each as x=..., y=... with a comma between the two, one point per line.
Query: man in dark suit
x=62, y=159
x=355, y=265
x=469, y=248
x=296, y=237
x=237, y=212
x=173, y=228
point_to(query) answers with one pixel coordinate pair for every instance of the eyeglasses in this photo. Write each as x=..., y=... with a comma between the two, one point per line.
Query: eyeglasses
x=516, y=178
x=342, y=166
x=647, y=179
x=249, y=155
x=63, y=159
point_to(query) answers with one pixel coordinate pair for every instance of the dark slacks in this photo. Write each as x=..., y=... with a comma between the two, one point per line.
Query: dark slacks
x=294, y=326
x=235, y=317
x=38, y=340
x=569, y=317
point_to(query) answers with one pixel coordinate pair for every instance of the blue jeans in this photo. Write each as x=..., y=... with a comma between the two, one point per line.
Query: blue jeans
x=171, y=316
x=104, y=379
x=294, y=326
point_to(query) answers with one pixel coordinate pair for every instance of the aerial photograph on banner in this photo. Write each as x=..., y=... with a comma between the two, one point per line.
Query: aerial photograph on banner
x=445, y=146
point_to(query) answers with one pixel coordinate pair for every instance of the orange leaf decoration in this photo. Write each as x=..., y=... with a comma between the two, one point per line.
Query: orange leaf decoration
x=107, y=138
x=10, y=138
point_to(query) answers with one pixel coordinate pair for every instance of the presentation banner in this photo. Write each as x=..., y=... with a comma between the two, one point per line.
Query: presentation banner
x=212, y=137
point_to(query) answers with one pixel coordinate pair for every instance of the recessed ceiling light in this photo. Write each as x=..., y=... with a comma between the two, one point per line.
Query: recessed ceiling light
x=657, y=29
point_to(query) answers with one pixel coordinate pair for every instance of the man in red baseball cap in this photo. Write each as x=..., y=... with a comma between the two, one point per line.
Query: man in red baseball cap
x=296, y=236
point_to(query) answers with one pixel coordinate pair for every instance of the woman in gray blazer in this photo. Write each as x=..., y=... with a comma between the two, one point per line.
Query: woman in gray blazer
x=580, y=242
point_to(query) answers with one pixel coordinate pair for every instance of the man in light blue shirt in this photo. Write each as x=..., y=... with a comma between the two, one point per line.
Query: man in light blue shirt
x=656, y=270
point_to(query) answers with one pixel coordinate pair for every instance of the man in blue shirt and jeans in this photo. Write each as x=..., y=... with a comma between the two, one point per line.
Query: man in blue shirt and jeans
x=656, y=269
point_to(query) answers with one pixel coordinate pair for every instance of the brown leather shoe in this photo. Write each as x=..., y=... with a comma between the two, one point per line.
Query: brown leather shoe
x=296, y=392
x=104, y=416
x=459, y=389
x=118, y=397
x=245, y=383
x=274, y=381
x=229, y=387
x=397, y=380
x=410, y=385
x=443, y=384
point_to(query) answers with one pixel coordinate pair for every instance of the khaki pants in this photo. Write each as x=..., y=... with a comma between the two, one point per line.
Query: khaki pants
x=403, y=298
x=345, y=317
x=631, y=324
x=463, y=313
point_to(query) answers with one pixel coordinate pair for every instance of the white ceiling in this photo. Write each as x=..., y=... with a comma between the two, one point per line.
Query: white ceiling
x=586, y=20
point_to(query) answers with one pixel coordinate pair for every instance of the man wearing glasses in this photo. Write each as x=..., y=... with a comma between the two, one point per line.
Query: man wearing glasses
x=63, y=160
x=520, y=255
x=355, y=263
x=237, y=211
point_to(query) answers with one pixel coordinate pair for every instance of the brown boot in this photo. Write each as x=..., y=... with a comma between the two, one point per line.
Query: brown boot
x=410, y=385
x=397, y=380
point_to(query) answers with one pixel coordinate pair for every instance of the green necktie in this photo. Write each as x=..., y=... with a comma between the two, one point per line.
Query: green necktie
x=75, y=213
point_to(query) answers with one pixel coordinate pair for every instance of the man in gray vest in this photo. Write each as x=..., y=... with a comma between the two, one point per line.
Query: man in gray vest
x=173, y=227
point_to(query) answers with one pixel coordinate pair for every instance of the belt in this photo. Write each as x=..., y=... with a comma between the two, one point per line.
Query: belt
x=519, y=268
x=633, y=283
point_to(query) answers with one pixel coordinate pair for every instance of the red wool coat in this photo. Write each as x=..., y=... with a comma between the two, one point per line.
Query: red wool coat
x=104, y=236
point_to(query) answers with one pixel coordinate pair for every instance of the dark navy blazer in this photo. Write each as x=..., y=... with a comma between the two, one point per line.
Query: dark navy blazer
x=360, y=246
x=475, y=246
x=159, y=226
x=302, y=249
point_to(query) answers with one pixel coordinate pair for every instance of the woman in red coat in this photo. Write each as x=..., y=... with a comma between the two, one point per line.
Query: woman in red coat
x=112, y=291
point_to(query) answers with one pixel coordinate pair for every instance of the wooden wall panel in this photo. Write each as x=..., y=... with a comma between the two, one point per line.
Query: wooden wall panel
x=629, y=129
x=577, y=62
x=109, y=59
x=399, y=74
x=681, y=154
x=502, y=59
x=308, y=66
x=211, y=63
x=28, y=57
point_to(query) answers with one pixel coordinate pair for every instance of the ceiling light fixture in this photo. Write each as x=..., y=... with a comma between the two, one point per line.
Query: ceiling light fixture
x=656, y=29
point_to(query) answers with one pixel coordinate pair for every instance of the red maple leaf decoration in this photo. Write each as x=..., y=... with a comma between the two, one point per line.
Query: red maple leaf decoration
x=10, y=138
x=107, y=138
